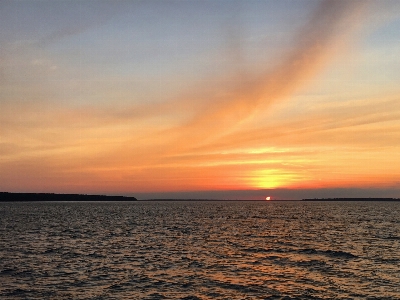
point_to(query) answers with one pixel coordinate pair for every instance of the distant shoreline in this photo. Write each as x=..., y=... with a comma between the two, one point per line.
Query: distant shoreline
x=352, y=199
x=36, y=197
x=51, y=197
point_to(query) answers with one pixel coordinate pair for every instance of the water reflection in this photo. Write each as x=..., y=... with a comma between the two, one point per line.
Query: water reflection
x=199, y=250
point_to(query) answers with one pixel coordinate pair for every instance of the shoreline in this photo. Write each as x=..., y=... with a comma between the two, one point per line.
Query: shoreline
x=50, y=197
x=352, y=199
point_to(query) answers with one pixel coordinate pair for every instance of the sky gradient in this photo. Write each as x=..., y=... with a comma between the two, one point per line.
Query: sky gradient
x=201, y=99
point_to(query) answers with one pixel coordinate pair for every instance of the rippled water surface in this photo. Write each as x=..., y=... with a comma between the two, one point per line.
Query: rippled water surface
x=200, y=250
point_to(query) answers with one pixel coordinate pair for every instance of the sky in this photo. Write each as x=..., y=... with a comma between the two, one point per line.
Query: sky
x=201, y=99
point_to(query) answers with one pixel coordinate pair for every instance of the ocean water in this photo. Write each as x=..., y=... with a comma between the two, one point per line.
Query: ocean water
x=200, y=250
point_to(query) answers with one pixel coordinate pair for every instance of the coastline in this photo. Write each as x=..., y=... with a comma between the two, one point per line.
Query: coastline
x=36, y=197
x=352, y=199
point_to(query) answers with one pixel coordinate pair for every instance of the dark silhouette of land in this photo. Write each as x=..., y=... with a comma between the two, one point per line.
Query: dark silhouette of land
x=352, y=199
x=35, y=197
x=32, y=197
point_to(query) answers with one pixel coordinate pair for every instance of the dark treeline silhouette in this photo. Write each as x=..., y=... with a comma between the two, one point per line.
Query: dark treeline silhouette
x=352, y=199
x=28, y=197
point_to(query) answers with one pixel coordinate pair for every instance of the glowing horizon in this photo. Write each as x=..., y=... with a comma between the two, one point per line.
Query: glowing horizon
x=180, y=97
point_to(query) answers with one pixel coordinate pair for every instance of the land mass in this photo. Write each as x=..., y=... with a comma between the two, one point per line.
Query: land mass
x=31, y=197
x=352, y=199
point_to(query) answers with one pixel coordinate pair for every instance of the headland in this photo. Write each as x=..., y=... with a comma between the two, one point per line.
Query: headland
x=35, y=197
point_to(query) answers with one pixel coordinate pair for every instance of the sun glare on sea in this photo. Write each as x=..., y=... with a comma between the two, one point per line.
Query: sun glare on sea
x=268, y=198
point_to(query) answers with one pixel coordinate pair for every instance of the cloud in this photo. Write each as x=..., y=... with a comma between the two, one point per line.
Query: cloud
x=207, y=113
x=242, y=96
x=362, y=124
x=223, y=103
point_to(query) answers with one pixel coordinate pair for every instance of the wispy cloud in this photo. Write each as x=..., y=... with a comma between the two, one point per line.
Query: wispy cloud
x=324, y=35
x=206, y=113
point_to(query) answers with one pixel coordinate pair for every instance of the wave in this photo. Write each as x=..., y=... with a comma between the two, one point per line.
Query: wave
x=330, y=253
x=309, y=251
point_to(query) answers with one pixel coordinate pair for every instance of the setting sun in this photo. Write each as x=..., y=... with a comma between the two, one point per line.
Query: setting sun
x=268, y=198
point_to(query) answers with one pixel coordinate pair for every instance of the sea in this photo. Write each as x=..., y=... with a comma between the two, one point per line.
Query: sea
x=200, y=250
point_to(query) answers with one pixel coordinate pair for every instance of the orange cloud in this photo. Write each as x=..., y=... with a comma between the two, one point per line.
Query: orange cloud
x=243, y=96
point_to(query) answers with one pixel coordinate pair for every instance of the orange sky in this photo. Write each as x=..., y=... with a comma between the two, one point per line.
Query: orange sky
x=194, y=97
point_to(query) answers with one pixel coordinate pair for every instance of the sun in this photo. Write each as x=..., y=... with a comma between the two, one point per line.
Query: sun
x=268, y=198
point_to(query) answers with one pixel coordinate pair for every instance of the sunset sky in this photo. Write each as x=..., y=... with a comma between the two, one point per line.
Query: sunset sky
x=201, y=99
